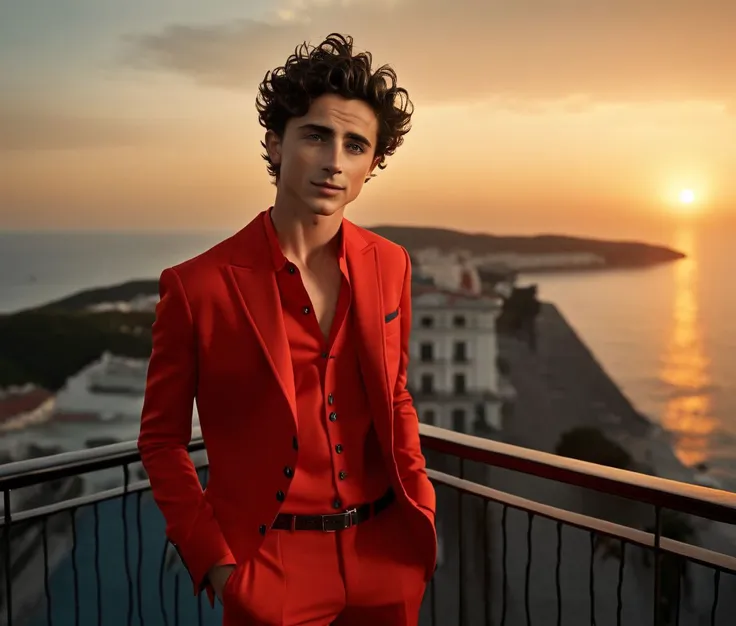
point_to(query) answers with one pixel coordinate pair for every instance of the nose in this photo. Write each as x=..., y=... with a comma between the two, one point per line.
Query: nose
x=333, y=158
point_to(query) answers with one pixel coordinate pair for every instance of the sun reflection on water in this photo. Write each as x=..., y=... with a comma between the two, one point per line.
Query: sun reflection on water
x=685, y=365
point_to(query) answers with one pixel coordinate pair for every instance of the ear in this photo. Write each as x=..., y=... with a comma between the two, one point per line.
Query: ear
x=273, y=145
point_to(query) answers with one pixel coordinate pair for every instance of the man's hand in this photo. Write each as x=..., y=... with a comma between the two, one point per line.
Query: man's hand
x=218, y=576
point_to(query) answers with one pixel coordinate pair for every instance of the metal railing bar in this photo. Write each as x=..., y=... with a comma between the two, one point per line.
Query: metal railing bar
x=680, y=573
x=591, y=579
x=528, y=572
x=657, y=564
x=46, y=572
x=461, y=550
x=161, y=572
x=488, y=620
x=7, y=522
x=75, y=569
x=98, y=578
x=504, y=556
x=714, y=504
x=620, y=585
x=126, y=551
x=558, y=567
x=45, y=468
x=716, y=589
x=93, y=498
x=699, y=555
x=139, y=565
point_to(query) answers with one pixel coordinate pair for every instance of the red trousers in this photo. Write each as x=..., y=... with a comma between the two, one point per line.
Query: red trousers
x=367, y=575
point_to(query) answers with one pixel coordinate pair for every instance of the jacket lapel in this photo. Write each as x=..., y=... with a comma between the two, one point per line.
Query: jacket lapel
x=259, y=297
x=365, y=281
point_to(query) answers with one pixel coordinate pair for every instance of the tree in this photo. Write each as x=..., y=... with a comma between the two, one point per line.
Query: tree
x=674, y=572
x=587, y=443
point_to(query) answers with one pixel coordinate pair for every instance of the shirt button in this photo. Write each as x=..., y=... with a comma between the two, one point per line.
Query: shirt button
x=324, y=355
x=262, y=529
x=338, y=448
x=280, y=496
x=330, y=399
x=292, y=269
x=305, y=310
x=336, y=504
x=288, y=472
x=333, y=417
x=343, y=475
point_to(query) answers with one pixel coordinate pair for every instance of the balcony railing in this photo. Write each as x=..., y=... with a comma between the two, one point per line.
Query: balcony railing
x=525, y=538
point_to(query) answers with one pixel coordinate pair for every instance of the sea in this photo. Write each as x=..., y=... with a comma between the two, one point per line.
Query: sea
x=665, y=334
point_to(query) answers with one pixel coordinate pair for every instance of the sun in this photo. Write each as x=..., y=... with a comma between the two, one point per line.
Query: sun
x=687, y=196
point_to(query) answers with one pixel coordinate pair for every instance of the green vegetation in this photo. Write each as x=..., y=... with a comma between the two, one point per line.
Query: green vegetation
x=46, y=346
x=587, y=443
x=124, y=292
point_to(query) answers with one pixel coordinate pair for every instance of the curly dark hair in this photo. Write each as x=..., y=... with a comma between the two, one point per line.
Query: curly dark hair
x=331, y=67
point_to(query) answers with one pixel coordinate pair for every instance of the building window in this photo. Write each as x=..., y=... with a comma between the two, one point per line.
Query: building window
x=459, y=352
x=427, y=321
x=430, y=417
x=426, y=352
x=459, y=384
x=458, y=321
x=458, y=420
x=427, y=383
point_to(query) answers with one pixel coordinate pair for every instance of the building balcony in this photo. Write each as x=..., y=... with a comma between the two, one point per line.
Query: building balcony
x=525, y=538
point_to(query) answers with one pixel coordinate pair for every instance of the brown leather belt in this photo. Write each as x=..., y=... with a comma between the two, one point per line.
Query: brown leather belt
x=333, y=521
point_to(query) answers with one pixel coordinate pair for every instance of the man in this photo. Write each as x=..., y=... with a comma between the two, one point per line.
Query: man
x=293, y=336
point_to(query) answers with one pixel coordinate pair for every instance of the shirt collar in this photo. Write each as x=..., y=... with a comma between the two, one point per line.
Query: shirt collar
x=277, y=255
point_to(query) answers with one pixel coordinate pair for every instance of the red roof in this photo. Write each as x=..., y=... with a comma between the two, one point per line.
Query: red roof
x=15, y=404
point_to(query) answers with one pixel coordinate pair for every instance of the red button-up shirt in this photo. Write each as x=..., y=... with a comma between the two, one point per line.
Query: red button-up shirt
x=340, y=461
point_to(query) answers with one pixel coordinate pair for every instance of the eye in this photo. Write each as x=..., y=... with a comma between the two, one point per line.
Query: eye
x=315, y=136
x=356, y=147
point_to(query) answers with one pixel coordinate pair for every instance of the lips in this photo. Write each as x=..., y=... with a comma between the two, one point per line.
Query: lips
x=328, y=186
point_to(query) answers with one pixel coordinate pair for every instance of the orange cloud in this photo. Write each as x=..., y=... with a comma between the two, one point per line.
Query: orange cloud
x=603, y=50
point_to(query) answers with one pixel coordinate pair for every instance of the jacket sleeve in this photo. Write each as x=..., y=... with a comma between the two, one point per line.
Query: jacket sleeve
x=407, y=448
x=165, y=433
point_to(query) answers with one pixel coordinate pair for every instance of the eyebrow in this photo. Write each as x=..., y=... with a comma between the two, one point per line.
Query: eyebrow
x=329, y=131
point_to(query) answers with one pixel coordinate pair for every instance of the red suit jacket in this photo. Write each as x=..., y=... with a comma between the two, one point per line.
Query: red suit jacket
x=219, y=337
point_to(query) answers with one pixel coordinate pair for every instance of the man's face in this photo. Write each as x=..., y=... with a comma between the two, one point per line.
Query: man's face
x=326, y=155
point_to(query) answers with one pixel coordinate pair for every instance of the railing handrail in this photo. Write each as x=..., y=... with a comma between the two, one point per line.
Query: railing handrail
x=713, y=504
x=601, y=527
x=42, y=469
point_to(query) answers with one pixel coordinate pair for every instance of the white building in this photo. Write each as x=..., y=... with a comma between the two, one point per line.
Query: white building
x=453, y=271
x=453, y=375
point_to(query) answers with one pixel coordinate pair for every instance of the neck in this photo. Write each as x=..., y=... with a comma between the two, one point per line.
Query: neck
x=305, y=238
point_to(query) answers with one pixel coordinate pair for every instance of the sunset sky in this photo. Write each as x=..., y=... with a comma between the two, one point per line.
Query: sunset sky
x=576, y=116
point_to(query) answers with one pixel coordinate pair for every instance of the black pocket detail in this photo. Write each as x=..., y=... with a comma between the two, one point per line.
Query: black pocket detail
x=392, y=316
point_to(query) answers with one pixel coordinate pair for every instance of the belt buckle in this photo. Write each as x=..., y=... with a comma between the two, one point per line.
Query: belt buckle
x=350, y=513
x=347, y=517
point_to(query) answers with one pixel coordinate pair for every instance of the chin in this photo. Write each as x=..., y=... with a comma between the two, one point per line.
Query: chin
x=325, y=209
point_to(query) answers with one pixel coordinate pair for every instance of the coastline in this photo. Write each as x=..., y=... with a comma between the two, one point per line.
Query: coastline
x=562, y=385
